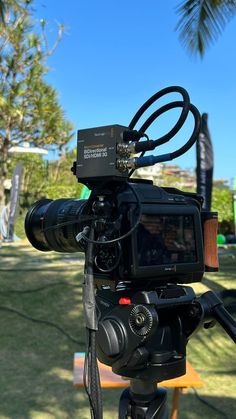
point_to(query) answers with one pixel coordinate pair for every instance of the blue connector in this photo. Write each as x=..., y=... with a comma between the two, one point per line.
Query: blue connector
x=151, y=160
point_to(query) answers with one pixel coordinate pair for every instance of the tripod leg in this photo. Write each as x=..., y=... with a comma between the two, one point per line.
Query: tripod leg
x=157, y=408
x=125, y=404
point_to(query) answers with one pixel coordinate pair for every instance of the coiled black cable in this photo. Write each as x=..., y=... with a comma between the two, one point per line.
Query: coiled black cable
x=158, y=95
x=165, y=108
x=160, y=111
x=151, y=145
x=165, y=138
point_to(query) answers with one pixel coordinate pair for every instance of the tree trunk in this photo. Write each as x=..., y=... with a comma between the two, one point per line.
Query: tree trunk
x=2, y=192
x=3, y=169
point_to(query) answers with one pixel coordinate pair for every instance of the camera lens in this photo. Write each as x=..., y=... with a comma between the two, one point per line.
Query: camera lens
x=54, y=224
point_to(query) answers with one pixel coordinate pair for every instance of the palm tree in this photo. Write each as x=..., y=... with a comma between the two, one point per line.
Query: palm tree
x=202, y=21
x=2, y=10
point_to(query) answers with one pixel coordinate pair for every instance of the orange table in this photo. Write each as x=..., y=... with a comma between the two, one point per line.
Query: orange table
x=109, y=379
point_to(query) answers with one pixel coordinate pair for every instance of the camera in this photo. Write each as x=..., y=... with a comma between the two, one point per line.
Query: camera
x=142, y=245
x=142, y=232
x=167, y=245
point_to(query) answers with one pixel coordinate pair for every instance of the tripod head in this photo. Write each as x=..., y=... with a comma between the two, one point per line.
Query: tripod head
x=143, y=334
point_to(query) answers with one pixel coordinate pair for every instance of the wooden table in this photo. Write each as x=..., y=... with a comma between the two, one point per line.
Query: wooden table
x=111, y=380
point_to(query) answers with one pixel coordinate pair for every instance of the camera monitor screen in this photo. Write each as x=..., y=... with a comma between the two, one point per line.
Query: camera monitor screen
x=166, y=239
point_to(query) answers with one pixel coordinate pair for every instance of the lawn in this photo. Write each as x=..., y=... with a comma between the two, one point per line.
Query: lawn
x=36, y=359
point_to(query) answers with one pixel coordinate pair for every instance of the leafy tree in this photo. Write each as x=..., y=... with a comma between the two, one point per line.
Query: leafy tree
x=29, y=106
x=222, y=203
x=202, y=21
x=61, y=182
x=34, y=177
x=45, y=179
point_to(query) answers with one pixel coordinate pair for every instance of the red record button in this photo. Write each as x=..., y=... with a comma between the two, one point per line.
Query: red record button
x=124, y=300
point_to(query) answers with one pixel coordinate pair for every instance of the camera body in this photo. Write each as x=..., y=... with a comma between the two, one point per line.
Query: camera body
x=166, y=247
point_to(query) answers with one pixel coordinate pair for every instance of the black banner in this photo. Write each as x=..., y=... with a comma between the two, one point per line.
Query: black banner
x=14, y=199
x=205, y=162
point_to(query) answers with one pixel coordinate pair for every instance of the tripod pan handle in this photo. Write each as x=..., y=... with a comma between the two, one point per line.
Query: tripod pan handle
x=214, y=307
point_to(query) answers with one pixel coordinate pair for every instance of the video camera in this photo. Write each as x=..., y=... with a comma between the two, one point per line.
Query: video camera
x=163, y=230
x=140, y=241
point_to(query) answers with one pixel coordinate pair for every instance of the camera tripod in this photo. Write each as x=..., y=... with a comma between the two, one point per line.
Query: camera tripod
x=143, y=335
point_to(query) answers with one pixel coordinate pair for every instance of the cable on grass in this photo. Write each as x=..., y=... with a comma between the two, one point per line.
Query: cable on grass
x=210, y=405
x=25, y=291
x=46, y=322
x=39, y=270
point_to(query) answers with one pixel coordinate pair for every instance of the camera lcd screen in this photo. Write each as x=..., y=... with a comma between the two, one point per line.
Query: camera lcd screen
x=166, y=239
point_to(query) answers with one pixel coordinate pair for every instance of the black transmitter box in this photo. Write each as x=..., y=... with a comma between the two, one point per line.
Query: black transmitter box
x=97, y=154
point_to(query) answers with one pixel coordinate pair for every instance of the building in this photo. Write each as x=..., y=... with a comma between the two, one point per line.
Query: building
x=168, y=175
x=150, y=172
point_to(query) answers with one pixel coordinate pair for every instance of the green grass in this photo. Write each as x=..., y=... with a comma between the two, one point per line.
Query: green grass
x=19, y=226
x=36, y=360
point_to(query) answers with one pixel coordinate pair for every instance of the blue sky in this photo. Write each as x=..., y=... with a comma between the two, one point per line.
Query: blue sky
x=116, y=54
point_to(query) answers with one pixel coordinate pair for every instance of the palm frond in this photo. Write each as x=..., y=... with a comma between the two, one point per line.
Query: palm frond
x=202, y=21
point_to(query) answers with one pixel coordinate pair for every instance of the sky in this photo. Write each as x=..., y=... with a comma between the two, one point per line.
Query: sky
x=116, y=54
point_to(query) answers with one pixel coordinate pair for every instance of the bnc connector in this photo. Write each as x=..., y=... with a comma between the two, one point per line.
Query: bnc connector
x=125, y=150
x=125, y=164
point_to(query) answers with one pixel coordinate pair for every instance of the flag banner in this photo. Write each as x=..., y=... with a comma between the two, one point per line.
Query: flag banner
x=205, y=162
x=14, y=199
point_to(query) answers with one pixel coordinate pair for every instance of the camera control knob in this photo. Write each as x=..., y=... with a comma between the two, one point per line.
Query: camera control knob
x=142, y=319
x=111, y=337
